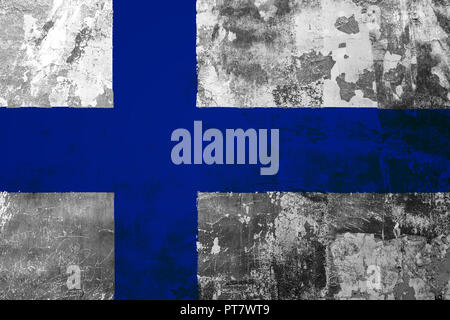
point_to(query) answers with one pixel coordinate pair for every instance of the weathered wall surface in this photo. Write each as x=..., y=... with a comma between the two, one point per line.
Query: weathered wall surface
x=323, y=53
x=318, y=246
x=42, y=234
x=56, y=53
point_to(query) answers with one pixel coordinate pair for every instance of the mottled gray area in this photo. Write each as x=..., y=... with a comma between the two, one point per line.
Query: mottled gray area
x=42, y=235
x=56, y=53
x=323, y=53
x=324, y=246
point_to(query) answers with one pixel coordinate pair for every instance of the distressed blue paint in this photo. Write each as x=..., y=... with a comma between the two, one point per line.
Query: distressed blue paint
x=127, y=150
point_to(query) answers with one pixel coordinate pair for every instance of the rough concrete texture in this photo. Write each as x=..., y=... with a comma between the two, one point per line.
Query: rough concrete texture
x=324, y=246
x=43, y=234
x=323, y=53
x=56, y=53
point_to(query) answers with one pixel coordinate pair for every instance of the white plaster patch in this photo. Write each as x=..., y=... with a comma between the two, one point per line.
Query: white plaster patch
x=216, y=248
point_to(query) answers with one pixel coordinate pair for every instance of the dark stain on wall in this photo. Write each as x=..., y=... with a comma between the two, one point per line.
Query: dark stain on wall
x=314, y=66
x=45, y=29
x=80, y=43
x=347, y=25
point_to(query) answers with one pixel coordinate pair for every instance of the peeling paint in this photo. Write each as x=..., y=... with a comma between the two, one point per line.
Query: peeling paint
x=324, y=246
x=259, y=53
x=56, y=53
